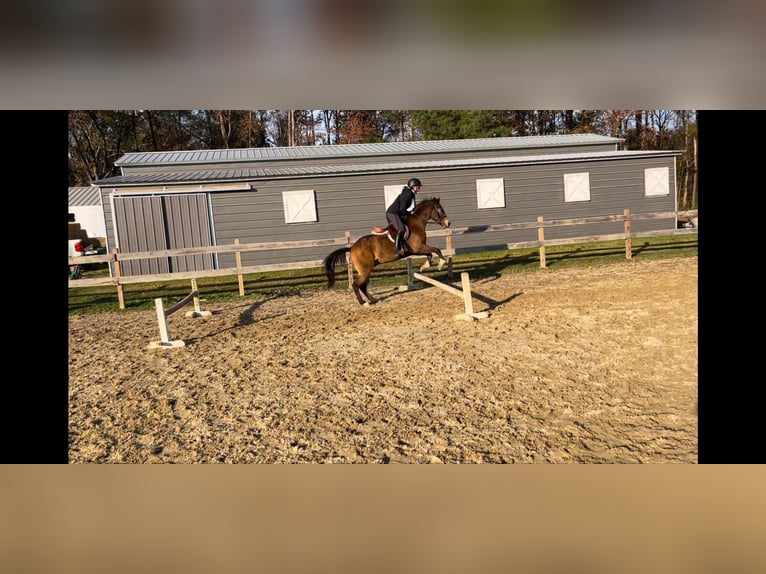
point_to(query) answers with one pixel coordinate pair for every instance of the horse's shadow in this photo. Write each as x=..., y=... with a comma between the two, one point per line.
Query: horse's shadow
x=383, y=295
x=247, y=316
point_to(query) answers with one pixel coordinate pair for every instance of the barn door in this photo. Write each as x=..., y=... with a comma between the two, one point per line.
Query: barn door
x=149, y=223
x=188, y=225
x=140, y=226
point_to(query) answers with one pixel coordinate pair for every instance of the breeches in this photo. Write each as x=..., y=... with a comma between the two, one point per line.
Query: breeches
x=396, y=221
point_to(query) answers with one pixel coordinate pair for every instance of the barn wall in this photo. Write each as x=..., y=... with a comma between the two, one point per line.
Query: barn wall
x=538, y=190
x=356, y=204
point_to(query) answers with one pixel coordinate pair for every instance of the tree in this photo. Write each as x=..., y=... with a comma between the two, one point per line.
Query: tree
x=96, y=140
x=685, y=137
x=328, y=121
x=458, y=124
x=363, y=126
x=397, y=125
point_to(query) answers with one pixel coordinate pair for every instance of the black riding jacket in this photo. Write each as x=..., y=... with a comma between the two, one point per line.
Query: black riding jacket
x=404, y=204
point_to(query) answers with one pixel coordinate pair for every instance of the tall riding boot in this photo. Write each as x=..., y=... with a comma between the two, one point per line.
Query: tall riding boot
x=399, y=244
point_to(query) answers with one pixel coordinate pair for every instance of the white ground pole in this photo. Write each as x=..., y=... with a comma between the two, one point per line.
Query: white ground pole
x=166, y=342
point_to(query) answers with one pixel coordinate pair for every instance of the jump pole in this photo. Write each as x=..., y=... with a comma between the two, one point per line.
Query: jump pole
x=464, y=294
x=166, y=342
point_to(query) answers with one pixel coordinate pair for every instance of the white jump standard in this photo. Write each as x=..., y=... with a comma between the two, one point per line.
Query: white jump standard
x=465, y=294
x=166, y=342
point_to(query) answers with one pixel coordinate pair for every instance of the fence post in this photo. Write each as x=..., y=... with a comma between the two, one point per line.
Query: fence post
x=117, y=275
x=541, y=238
x=348, y=261
x=238, y=260
x=449, y=257
x=628, y=241
x=240, y=279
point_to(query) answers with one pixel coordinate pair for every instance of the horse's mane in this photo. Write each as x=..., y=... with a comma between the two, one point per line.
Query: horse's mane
x=429, y=200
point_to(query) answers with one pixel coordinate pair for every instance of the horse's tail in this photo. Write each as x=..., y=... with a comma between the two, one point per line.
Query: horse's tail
x=329, y=264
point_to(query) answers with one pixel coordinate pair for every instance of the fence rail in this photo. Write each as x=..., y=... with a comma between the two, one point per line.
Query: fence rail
x=115, y=257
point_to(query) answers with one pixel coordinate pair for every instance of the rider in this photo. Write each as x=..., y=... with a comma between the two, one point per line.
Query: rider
x=400, y=208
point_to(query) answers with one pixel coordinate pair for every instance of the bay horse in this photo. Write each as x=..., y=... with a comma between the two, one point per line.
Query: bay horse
x=378, y=247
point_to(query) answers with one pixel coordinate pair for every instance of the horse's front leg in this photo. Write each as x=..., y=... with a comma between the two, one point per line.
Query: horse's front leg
x=442, y=260
x=429, y=252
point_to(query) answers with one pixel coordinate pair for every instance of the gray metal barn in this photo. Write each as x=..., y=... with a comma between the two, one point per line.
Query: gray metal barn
x=167, y=200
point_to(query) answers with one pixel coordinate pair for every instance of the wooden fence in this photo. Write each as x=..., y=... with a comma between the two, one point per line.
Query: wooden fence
x=115, y=257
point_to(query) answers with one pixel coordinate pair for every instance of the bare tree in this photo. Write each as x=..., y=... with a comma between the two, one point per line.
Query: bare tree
x=223, y=119
x=661, y=119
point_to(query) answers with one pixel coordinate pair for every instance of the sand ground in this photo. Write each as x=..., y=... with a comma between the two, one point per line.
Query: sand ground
x=581, y=365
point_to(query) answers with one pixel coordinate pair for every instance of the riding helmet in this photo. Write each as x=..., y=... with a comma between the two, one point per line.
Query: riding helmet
x=414, y=181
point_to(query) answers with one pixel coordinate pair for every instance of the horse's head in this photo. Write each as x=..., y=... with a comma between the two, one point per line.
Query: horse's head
x=433, y=211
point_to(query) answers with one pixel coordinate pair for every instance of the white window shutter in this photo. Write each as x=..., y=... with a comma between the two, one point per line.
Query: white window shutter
x=576, y=187
x=391, y=192
x=490, y=193
x=656, y=181
x=300, y=206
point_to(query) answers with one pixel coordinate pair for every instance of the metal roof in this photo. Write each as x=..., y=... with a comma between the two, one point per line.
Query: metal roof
x=311, y=171
x=349, y=150
x=84, y=196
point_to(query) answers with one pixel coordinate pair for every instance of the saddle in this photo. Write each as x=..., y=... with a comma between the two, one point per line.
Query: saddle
x=391, y=232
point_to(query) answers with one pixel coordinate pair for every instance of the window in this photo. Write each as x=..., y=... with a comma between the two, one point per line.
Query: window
x=300, y=206
x=656, y=181
x=391, y=192
x=576, y=187
x=490, y=193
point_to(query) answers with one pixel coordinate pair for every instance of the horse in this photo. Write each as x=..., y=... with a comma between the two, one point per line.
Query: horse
x=378, y=247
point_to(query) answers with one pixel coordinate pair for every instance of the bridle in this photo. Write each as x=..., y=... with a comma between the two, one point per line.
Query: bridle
x=441, y=214
x=436, y=213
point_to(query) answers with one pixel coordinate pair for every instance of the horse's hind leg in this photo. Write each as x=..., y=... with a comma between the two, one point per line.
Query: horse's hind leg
x=358, y=291
x=364, y=262
x=370, y=298
x=361, y=286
